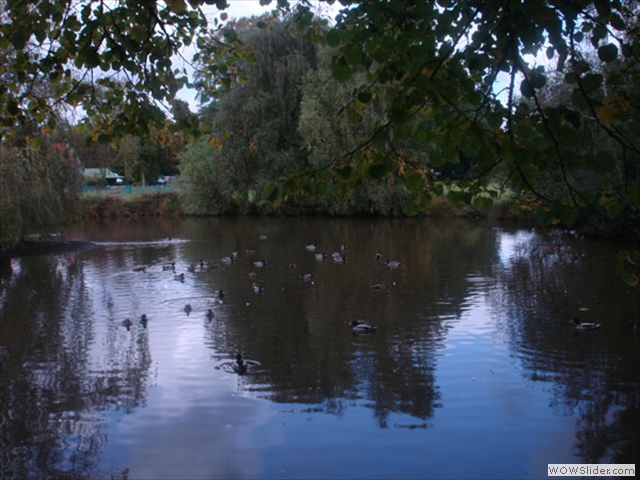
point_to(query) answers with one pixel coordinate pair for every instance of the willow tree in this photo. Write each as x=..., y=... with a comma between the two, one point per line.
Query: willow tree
x=254, y=120
x=38, y=190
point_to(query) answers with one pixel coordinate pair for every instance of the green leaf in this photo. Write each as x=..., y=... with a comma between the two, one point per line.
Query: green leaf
x=364, y=96
x=20, y=38
x=482, y=202
x=608, y=53
x=290, y=187
x=591, y=82
x=412, y=180
x=274, y=193
x=321, y=187
x=458, y=196
x=550, y=52
x=352, y=115
x=567, y=215
x=402, y=131
x=538, y=80
x=571, y=78
x=526, y=89
x=12, y=107
x=377, y=170
x=333, y=38
x=353, y=55
x=176, y=6
x=340, y=69
x=411, y=208
x=345, y=172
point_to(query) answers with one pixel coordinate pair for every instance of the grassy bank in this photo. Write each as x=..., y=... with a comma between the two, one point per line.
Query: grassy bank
x=155, y=204
x=121, y=204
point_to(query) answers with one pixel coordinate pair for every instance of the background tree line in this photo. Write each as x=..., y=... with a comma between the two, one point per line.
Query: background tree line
x=537, y=100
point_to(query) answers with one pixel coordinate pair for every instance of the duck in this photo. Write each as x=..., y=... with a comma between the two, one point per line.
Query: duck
x=192, y=268
x=378, y=256
x=227, y=260
x=257, y=288
x=140, y=269
x=126, y=323
x=320, y=256
x=240, y=367
x=220, y=294
x=585, y=325
x=361, y=326
x=144, y=320
x=305, y=277
x=187, y=309
x=311, y=247
x=263, y=237
x=179, y=278
x=340, y=259
x=293, y=266
x=169, y=267
x=260, y=263
x=210, y=314
x=379, y=286
x=344, y=247
x=393, y=263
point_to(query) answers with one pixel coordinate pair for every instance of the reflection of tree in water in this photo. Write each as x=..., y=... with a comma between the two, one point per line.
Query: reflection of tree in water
x=594, y=375
x=296, y=330
x=404, y=381
x=52, y=395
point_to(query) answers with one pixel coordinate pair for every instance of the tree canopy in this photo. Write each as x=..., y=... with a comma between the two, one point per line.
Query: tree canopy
x=467, y=80
x=116, y=61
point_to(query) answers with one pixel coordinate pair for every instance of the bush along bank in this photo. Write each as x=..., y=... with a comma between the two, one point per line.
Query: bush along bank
x=173, y=204
x=114, y=206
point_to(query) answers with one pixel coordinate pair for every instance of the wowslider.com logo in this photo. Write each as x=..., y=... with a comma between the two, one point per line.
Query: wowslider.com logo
x=591, y=469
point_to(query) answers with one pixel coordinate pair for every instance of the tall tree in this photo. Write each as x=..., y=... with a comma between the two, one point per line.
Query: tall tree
x=254, y=121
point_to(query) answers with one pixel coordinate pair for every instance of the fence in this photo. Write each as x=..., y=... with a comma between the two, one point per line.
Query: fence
x=130, y=189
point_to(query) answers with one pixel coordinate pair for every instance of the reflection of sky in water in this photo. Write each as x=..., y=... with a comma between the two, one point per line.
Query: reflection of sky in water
x=203, y=437
x=511, y=242
x=450, y=335
x=485, y=403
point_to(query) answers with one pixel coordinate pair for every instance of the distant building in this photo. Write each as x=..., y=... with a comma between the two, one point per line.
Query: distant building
x=102, y=176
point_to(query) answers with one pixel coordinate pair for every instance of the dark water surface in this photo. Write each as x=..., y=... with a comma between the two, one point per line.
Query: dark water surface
x=474, y=371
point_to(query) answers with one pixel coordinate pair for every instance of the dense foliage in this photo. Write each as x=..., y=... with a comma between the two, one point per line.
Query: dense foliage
x=111, y=59
x=465, y=80
x=536, y=98
x=254, y=121
x=38, y=191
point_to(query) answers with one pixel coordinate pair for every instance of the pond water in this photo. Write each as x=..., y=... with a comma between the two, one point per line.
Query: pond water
x=474, y=370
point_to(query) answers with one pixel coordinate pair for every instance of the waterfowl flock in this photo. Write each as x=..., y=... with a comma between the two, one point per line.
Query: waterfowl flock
x=359, y=327
x=356, y=327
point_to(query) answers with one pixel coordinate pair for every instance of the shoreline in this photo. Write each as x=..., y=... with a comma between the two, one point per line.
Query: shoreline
x=47, y=247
